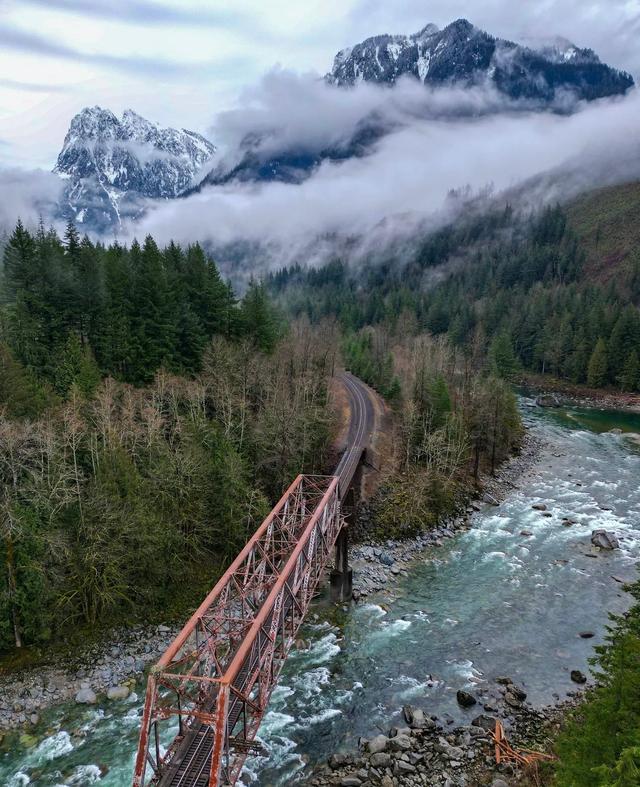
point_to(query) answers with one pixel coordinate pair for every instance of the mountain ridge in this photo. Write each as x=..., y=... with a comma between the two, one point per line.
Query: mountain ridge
x=463, y=53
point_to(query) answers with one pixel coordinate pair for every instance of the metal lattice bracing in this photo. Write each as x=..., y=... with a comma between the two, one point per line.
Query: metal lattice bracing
x=215, y=680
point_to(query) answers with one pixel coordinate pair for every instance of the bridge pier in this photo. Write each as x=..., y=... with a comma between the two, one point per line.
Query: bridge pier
x=341, y=578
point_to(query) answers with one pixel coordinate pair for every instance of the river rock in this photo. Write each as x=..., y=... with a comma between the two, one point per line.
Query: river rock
x=539, y=507
x=338, y=761
x=577, y=676
x=485, y=722
x=586, y=634
x=605, y=539
x=380, y=760
x=547, y=400
x=414, y=717
x=86, y=697
x=512, y=700
x=465, y=699
x=378, y=744
x=118, y=692
x=400, y=743
x=517, y=692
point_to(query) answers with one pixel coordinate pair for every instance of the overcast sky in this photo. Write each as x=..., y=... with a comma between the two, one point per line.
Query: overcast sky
x=180, y=62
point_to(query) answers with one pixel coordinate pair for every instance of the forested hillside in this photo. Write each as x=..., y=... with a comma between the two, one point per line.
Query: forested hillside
x=556, y=293
x=147, y=423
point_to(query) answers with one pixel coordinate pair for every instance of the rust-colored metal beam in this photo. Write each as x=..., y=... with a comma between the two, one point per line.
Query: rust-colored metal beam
x=216, y=677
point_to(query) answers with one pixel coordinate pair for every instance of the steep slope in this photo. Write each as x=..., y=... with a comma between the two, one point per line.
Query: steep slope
x=557, y=71
x=111, y=164
x=607, y=221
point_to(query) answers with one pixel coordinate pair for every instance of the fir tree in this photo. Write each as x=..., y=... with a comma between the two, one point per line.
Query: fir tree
x=630, y=378
x=598, y=365
x=502, y=358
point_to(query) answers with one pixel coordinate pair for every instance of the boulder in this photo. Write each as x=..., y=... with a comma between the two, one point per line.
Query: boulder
x=539, y=507
x=485, y=722
x=586, y=634
x=605, y=539
x=378, y=744
x=400, y=743
x=118, y=692
x=517, y=692
x=380, y=760
x=547, y=400
x=512, y=700
x=338, y=761
x=465, y=699
x=414, y=717
x=86, y=697
x=577, y=676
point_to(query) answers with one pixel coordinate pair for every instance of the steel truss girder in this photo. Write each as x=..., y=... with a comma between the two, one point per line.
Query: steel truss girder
x=218, y=674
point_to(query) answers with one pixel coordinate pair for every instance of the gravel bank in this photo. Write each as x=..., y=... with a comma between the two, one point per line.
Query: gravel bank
x=110, y=668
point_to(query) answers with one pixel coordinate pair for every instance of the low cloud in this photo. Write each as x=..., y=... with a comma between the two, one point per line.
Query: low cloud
x=27, y=195
x=439, y=140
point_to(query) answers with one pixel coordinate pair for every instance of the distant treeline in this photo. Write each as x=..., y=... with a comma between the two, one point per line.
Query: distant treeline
x=519, y=293
x=74, y=310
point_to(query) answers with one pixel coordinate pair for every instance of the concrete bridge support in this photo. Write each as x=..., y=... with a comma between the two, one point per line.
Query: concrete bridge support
x=341, y=578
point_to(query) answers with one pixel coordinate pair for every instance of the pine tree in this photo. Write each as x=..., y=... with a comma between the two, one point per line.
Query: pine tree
x=625, y=336
x=630, y=377
x=19, y=261
x=258, y=318
x=598, y=365
x=502, y=358
x=75, y=367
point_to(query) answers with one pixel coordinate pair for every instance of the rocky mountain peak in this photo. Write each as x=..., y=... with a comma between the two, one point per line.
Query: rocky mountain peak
x=111, y=163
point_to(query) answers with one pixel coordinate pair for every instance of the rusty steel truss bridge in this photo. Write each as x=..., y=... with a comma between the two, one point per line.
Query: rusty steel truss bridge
x=207, y=694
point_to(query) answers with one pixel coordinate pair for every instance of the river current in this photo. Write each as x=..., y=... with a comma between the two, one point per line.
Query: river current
x=509, y=596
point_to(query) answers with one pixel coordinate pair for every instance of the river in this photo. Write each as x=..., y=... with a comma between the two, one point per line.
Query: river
x=491, y=601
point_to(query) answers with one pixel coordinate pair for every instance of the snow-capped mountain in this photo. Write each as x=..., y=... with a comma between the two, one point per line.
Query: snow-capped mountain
x=551, y=75
x=112, y=163
x=462, y=53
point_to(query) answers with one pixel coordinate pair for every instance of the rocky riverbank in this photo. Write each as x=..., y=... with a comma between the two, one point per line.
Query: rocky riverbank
x=550, y=392
x=376, y=564
x=430, y=751
x=110, y=668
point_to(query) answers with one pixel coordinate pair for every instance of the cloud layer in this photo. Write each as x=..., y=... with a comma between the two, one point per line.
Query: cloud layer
x=437, y=144
x=27, y=195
